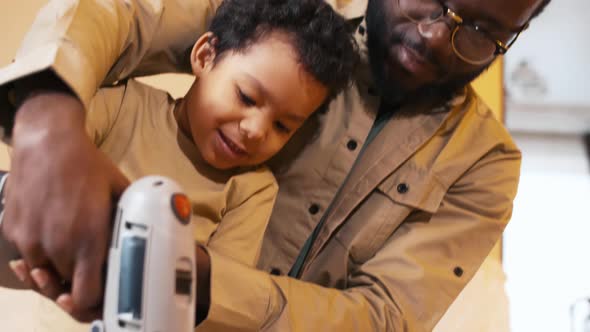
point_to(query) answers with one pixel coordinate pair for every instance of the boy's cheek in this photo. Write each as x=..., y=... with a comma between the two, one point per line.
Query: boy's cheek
x=271, y=151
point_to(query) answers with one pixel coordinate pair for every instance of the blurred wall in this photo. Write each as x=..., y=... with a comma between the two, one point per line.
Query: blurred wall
x=547, y=244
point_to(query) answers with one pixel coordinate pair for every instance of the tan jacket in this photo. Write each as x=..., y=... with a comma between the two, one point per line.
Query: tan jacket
x=421, y=208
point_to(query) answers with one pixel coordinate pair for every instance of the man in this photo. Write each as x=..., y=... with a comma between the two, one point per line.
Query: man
x=381, y=219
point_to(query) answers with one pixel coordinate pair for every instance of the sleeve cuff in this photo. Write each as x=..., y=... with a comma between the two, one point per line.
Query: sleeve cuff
x=64, y=60
x=242, y=298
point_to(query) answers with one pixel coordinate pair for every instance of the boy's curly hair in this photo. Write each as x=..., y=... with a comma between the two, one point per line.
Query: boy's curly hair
x=324, y=45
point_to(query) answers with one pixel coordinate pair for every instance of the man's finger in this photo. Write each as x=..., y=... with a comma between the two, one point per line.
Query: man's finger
x=119, y=181
x=87, y=286
x=23, y=239
x=32, y=253
x=21, y=270
x=66, y=303
x=48, y=284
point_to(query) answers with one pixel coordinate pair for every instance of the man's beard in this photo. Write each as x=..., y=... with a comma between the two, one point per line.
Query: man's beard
x=391, y=90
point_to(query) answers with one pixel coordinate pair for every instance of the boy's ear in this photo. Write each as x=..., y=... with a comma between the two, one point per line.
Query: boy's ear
x=203, y=53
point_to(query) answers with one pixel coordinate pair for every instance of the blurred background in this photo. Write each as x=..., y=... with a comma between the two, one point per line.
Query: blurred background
x=538, y=277
x=547, y=243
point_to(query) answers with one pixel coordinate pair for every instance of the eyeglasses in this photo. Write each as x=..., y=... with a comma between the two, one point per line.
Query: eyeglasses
x=470, y=42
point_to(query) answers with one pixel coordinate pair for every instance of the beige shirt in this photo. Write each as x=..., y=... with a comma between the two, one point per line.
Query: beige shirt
x=134, y=125
x=419, y=212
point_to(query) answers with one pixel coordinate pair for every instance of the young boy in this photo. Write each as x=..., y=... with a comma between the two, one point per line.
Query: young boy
x=261, y=70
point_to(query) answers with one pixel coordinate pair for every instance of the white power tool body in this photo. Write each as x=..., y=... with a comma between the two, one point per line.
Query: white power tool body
x=151, y=271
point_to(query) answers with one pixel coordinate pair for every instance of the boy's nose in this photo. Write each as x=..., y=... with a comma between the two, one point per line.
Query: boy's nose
x=254, y=128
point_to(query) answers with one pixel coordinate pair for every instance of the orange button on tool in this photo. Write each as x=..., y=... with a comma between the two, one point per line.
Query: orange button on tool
x=181, y=207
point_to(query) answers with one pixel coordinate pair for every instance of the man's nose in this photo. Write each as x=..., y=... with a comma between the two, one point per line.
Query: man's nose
x=254, y=127
x=437, y=37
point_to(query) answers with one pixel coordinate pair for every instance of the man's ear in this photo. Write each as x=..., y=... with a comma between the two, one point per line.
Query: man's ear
x=203, y=53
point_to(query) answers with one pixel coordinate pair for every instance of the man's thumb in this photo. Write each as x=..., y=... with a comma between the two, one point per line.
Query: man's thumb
x=119, y=182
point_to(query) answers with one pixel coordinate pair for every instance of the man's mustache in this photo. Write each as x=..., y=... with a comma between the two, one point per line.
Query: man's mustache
x=420, y=48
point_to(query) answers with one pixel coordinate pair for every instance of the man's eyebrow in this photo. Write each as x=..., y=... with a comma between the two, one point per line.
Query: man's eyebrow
x=496, y=24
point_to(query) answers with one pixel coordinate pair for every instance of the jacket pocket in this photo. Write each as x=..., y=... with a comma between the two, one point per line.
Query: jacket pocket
x=407, y=195
x=414, y=188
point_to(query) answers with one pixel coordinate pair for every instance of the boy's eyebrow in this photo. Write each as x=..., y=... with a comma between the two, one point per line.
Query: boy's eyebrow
x=296, y=117
x=257, y=83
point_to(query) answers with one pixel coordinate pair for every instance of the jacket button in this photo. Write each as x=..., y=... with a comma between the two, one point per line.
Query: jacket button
x=314, y=209
x=403, y=188
x=458, y=271
x=275, y=271
x=351, y=145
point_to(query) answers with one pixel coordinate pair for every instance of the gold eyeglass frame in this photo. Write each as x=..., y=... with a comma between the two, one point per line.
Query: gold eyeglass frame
x=501, y=48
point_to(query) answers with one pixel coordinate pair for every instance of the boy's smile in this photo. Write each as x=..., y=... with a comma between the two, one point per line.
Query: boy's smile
x=229, y=147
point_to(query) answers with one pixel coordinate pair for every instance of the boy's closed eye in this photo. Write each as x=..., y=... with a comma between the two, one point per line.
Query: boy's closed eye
x=248, y=101
x=280, y=126
x=245, y=98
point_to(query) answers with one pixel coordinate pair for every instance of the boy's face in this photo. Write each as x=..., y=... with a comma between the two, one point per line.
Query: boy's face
x=244, y=108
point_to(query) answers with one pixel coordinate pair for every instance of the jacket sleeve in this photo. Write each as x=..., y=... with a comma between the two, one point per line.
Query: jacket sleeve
x=89, y=43
x=406, y=286
x=240, y=233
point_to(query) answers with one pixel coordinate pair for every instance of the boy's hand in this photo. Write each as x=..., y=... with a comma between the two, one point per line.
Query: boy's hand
x=59, y=199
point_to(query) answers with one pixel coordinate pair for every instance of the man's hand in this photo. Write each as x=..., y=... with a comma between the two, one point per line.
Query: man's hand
x=59, y=200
